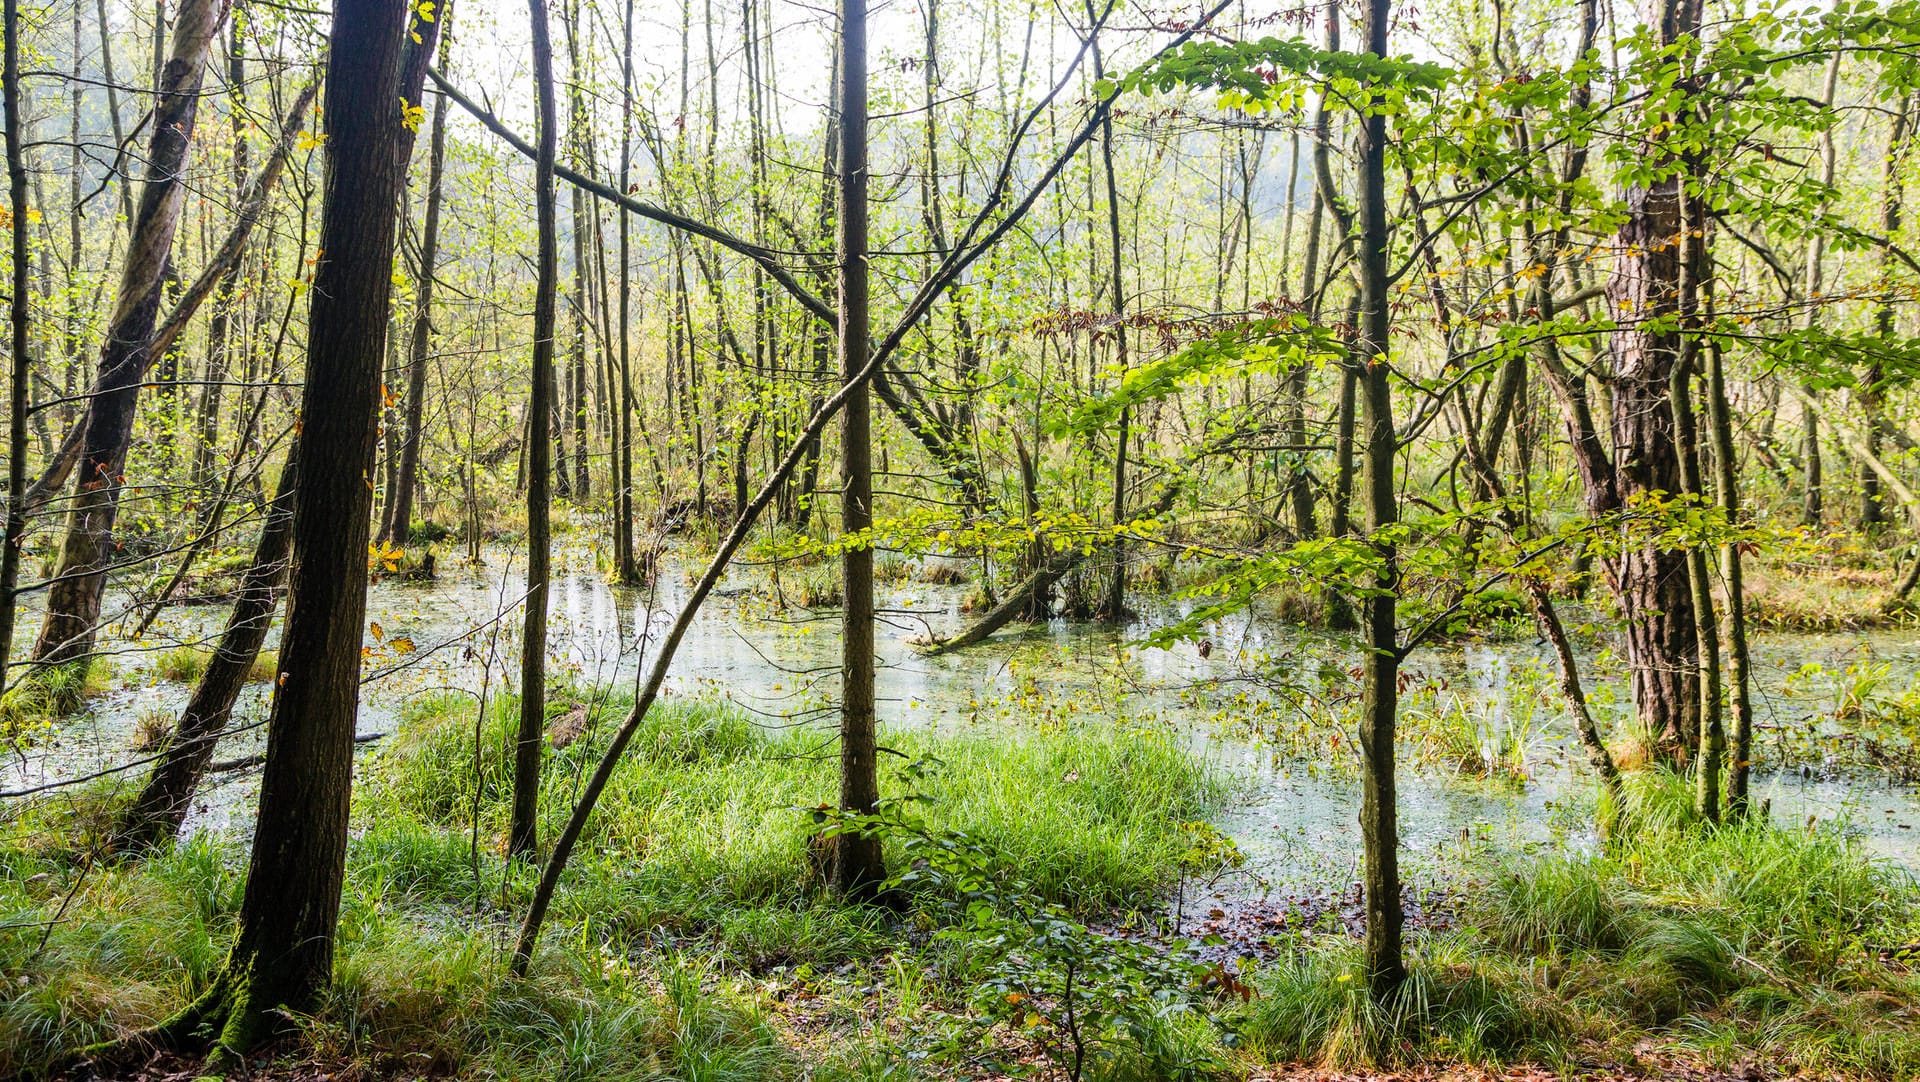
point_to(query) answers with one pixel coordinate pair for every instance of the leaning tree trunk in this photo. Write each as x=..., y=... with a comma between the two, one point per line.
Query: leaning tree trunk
x=1379, y=819
x=73, y=601
x=282, y=955
x=155, y=815
x=399, y=524
x=533, y=644
x=856, y=869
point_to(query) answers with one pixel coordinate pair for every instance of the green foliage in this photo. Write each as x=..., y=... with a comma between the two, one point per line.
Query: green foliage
x=182, y=664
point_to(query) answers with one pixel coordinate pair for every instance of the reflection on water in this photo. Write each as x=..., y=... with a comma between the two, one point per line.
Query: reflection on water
x=1232, y=701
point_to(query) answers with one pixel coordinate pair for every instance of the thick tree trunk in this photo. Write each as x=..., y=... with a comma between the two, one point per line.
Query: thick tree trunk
x=856, y=868
x=282, y=956
x=155, y=815
x=530, y=740
x=73, y=601
x=1644, y=295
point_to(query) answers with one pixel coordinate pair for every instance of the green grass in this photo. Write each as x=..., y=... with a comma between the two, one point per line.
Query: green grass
x=182, y=664
x=691, y=939
x=1746, y=941
x=40, y=698
x=691, y=890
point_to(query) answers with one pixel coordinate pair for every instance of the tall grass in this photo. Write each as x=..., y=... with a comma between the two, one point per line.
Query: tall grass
x=693, y=881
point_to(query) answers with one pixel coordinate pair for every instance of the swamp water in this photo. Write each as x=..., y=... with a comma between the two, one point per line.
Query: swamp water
x=1247, y=702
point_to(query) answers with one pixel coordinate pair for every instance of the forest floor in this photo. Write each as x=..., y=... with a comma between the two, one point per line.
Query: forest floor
x=690, y=939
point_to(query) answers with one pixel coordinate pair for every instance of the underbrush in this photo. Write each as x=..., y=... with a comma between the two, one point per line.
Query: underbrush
x=1837, y=589
x=1744, y=944
x=39, y=699
x=692, y=939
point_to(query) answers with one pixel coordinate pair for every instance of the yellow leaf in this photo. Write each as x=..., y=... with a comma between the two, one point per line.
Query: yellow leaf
x=379, y=632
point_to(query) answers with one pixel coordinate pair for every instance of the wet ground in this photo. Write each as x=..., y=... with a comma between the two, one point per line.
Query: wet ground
x=1247, y=701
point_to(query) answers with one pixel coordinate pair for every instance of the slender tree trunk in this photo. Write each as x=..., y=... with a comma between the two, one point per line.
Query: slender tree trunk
x=207, y=444
x=73, y=601
x=1720, y=415
x=533, y=646
x=406, y=484
x=1113, y=608
x=1712, y=735
x=856, y=868
x=1813, y=507
x=629, y=571
x=1386, y=969
x=18, y=312
x=1873, y=515
x=113, y=112
x=154, y=817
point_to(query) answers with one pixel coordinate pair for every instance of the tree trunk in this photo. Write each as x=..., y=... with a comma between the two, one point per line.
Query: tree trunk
x=1652, y=583
x=1712, y=736
x=1113, y=608
x=1720, y=415
x=206, y=445
x=856, y=868
x=282, y=955
x=1873, y=516
x=18, y=311
x=1813, y=507
x=530, y=740
x=1386, y=969
x=628, y=570
x=155, y=815
x=406, y=485
x=73, y=601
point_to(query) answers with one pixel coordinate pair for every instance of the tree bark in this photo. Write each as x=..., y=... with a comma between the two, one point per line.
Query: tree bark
x=282, y=955
x=18, y=315
x=856, y=869
x=1652, y=582
x=73, y=601
x=1379, y=820
x=530, y=740
x=1738, y=665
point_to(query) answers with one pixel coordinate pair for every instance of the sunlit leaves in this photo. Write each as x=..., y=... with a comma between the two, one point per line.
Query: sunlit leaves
x=1274, y=344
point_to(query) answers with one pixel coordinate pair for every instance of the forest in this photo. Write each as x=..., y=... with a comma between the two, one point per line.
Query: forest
x=960, y=540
